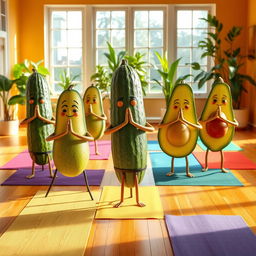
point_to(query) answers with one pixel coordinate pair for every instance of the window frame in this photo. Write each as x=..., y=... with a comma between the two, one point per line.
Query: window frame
x=89, y=34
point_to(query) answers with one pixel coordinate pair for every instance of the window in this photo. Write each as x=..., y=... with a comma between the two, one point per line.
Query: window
x=66, y=43
x=145, y=29
x=3, y=15
x=189, y=32
x=3, y=37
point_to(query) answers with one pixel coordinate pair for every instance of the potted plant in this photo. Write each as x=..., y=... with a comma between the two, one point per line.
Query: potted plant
x=228, y=64
x=9, y=126
x=168, y=75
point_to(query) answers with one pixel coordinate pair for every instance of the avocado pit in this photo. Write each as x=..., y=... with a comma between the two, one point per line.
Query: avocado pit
x=217, y=128
x=178, y=134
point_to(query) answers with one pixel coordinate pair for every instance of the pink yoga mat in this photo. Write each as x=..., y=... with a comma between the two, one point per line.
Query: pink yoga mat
x=232, y=160
x=23, y=159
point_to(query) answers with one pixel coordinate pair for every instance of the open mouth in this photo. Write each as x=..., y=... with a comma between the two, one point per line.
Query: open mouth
x=69, y=116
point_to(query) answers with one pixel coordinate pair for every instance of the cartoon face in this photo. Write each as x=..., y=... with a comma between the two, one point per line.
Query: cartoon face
x=69, y=109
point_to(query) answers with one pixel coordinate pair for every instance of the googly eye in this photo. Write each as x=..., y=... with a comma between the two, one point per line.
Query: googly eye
x=133, y=102
x=74, y=110
x=214, y=101
x=87, y=101
x=224, y=101
x=94, y=101
x=120, y=103
x=31, y=101
x=64, y=110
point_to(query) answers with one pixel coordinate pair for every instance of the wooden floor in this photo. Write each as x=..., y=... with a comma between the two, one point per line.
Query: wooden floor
x=141, y=237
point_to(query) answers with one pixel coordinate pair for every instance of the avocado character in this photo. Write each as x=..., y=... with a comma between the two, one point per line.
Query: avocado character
x=95, y=117
x=178, y=132
x=128, y=129
x=218, y=121
x=70, y=146
x=39, y=120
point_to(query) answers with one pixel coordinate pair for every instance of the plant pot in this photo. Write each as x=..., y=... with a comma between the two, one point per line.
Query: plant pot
x=242, y=117
x=9, y=127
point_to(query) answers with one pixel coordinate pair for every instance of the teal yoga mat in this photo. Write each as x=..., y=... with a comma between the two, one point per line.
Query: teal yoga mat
x=161, y=164
x=230, y=147
x=153, y=145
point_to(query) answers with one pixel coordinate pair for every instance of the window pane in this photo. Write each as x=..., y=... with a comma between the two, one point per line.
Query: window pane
x=60, y=57
x=197, y=19
x=101, y=58
x=76, y=72
x=196, y=56
x=182, y=71
x=155, y=87
x=141, y=38
x=75, y=56
x=118, y=19
x=156, y=19
x=198, y=35
x=153, y=59
x=58, y=72
x=144, y=52
x=184, y=19
x=118, y=38
x=74, y=19
x=154, y=74
x=184, y=54
x=102, y=19
x=57, y=88
x=184, y=37
x=59, y=38
x=141, y=19
x=103, y=36
x=74, y=38
x=156, y=38
x=59, y=20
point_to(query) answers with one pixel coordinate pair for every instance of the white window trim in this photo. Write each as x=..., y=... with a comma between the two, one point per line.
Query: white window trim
x=89, y=35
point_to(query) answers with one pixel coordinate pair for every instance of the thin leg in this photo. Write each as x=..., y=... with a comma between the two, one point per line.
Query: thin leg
x=189, y=174
x=49, y=163
x=122, y=193
x=96, y=148
x=86, y=183
x=33, y=171
x=42, y=167
x=130, y=192
x=206, y=161
x=172, y=168
x=137, y=191
x=51, y=183
x=222, y=162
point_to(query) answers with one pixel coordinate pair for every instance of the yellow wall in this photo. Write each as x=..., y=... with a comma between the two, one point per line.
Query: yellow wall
x=251, y=65
x=31, y=17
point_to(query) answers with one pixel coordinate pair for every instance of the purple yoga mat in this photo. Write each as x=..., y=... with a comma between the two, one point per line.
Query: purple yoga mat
x=210, y=235
x=42, y=178
x=23, y=160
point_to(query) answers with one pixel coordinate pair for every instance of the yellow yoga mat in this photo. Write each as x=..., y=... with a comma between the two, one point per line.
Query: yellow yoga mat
x=128, y=210
x=57, y=225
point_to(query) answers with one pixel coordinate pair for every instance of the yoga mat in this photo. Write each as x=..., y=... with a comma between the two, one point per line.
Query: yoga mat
x=42, y=178
x=23, y=160
x=210, y=235
x=128, y=210
x=56, y=225
x=161, y=164
x=230, y=147
x=232, y=160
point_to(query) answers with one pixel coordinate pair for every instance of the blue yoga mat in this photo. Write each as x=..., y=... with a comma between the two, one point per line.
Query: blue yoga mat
x=230, y=147
x=153, y=145
x=210, y=235
x=161, y=164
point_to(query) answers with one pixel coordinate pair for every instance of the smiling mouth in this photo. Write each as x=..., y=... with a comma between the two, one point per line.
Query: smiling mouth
x=69, y=116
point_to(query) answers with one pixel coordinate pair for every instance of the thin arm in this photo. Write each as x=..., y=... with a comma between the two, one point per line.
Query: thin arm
x=147, y=128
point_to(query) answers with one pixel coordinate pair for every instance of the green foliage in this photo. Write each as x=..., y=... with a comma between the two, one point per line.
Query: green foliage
x=67, y=80
x=168, y=74
x=103, y=75
x=228, y=61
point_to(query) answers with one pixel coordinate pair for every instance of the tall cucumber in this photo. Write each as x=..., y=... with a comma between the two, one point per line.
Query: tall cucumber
x=38, y=101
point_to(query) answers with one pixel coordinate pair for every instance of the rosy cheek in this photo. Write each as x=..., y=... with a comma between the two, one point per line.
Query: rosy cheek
x=75, y=114
x=175, y=107
x=63, y=113
x=186, y=107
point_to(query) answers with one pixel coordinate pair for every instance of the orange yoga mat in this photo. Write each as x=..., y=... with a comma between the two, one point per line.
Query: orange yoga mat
x=232, y=160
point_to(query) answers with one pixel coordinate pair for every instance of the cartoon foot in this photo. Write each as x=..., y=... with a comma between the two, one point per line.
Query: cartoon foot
x=117, y=205
x=169, y=173
x=205, y=169
x=141, y=204
x=224, y=170
x=190, y=175
x=30, y=176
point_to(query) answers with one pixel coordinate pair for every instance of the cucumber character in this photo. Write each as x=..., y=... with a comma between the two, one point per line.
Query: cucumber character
x=70, y=146
x=95, y=117
x=39, y=121
x=127, y=129
x=218, y=121
x=178, y=132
